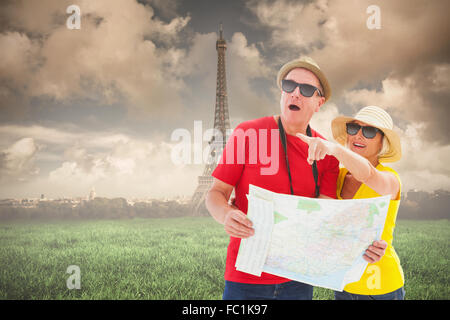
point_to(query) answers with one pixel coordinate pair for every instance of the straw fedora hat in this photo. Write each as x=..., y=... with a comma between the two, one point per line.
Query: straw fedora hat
x=309, y=64
x=376, y=117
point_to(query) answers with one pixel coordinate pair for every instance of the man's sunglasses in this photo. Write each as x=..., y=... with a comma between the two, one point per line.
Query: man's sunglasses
x=368, y=131
x=306, y=90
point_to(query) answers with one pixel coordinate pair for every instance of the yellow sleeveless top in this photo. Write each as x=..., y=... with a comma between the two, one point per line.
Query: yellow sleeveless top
x=385, y=275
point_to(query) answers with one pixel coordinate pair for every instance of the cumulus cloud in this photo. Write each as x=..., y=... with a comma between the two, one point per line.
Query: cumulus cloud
x=17, y=61
x=418, y=97
x=419, y=123
x=321, y=121
x=335, y=34
x=408, y=56
x=33, y=17
x=138, y=55
x=402, y=67
x=132, y=169
x=109, y=59
x=424, y=161
x=283, y=18
x=400, y=98
x=249, y=56
x=39, y=133
x=246, y=65
x=117, y=164
x=424, y=164
x=17, y=161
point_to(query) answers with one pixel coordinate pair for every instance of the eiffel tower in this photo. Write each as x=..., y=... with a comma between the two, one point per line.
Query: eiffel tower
x=221, y=124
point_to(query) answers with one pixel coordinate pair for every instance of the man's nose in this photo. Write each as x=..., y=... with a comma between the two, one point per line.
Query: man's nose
x=296, y=91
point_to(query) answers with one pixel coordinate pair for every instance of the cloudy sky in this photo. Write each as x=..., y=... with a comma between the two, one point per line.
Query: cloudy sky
x=96, y=107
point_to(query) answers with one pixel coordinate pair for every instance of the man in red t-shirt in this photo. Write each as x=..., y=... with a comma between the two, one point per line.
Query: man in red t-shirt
x=254, y=154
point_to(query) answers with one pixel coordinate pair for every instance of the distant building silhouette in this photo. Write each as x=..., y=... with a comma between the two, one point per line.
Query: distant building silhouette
x=92, y=194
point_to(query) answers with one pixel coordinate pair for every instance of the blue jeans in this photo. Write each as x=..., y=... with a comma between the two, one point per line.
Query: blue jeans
x=398, y=294
x=291, y=290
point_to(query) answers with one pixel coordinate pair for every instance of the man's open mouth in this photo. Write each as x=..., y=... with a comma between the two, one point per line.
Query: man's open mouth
x=293, y=107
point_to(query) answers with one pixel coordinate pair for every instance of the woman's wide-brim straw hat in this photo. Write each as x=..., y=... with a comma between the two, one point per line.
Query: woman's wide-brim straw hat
x=309, y=64
x=376, y=117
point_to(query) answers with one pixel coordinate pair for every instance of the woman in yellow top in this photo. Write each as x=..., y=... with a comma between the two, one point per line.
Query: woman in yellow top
x=369, y=140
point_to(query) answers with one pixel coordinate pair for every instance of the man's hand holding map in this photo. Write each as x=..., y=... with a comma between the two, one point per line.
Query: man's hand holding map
x=315, y=241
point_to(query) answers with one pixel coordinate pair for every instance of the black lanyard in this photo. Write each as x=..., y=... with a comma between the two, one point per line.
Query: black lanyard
x=314, y=165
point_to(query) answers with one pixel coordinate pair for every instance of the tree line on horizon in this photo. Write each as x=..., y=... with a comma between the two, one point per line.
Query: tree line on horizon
x=417, y=205
x=97, y=208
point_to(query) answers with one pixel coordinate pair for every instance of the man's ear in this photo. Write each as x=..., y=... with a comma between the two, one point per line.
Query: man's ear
x=320, y=102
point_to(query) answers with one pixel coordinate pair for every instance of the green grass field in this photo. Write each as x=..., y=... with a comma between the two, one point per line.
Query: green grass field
x=177, y=258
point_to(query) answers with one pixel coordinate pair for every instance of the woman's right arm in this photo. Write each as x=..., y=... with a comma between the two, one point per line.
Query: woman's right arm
x=383, y=182
x=235, y=222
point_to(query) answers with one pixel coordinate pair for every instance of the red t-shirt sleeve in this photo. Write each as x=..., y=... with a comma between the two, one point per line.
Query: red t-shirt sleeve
x=230, y=167
x=329, y=177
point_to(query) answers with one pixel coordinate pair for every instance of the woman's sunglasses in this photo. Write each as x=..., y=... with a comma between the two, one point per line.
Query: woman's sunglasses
x=367, y=131
x=306, y=90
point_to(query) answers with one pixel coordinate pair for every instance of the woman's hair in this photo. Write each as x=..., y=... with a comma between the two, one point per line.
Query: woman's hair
x=384, y=147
